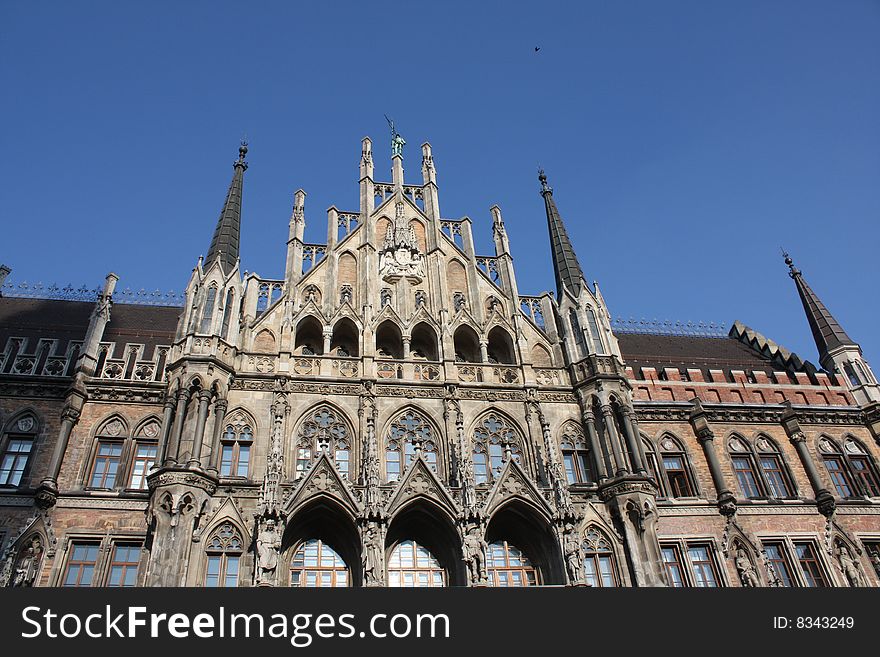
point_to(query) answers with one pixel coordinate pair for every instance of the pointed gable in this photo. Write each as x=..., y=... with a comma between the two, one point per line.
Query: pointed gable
x=323, y=480
x=421, y=482
x=513, y=483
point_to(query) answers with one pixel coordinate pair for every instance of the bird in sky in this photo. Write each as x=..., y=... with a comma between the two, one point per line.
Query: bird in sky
x=537, y=48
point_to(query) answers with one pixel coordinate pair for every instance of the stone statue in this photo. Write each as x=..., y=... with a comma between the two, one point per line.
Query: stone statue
x=875, y=561
x=268, y=544
x=26, y=571
x=372, y=557
x=474, y=548
x=574, y=555
x=772, y=577
x=400, y=254
x=850, y=567
x=748, y=574
x=6, y=573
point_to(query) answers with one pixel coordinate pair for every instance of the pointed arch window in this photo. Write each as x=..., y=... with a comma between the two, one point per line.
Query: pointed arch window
x=407, y=431
x=224, y=552
x=494, y=440
x=208, y=310
x=599, y=567
x=676, y=468
x=852, y=470
x=227, y=313
x=18, y=444
x=742, y=458
x=107, y=461
x=773, y=470
x=144, y=454
x=323, y=430
x=413, y=566
x=316, y=565
x=576, y=456
x=595, y=333
x=509, y=567
x=863, y=468
x=235, y=447
x=577, y=332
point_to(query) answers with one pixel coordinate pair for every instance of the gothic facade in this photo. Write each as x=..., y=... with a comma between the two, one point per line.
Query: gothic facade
x=394, y=412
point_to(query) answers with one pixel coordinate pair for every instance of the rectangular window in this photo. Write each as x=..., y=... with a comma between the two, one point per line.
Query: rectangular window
x=15, y=459
x=107, y=460
x=672, y=562
x=303, y=460
x=702, y=566
x=742, y=466
x=775, y=477
x=865, y=475
x=392, y=465
x=124, y=566
x=342, y=462
x=677, y=475
x=570, y=472
x=81, y=565
x=776, y=557
x=810, y=566
x=222, y=570
x=481, y=468
x=244, y=460
x=838, y=476
x=144, y=460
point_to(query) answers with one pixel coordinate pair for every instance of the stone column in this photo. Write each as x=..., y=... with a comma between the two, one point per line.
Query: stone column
x=167, y=420
x=633, y=423
x=598, y=455
x=700, y=423
x=632, y=442
x=199, y=436
x=611, y=431
x=219, y=413
x=179, y=419
x=824, y=498
x=47, y=492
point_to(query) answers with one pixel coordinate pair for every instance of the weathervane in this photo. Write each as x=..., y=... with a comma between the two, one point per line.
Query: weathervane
x=397, y=142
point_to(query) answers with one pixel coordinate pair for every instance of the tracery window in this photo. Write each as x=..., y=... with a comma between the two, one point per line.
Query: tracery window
x=762, y=473
x=235, y=446
x=595, y=333
x=18, y=443
x=407, y=431
x=316, y=565
x=208, y=311
x=413, y=566
x=576, y=456
x=493, y=438
x=509, y=567
x=324, y=430
x=852, y=470
x=599, y=567
x=224, y=552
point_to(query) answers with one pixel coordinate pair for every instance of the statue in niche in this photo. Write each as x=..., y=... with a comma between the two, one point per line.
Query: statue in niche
x=574, y=555
x=474, y=549
x=850, y=567
x=372, y=556
x=268, y=544
x=400, y=254
x=748, y=574
x=26, y=571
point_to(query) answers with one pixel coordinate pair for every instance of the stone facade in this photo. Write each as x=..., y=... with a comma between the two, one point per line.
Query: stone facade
x=394, y=412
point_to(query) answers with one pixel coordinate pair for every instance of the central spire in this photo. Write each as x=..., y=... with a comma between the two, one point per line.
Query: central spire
x=565, y=263
x=225, y=243
x=827, y=332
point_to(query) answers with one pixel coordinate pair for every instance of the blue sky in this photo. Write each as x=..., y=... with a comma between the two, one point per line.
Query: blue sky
x=686, y=141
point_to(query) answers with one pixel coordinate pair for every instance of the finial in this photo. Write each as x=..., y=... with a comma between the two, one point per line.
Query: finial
x=792, y=270
x=242, y=151
x=543, y=178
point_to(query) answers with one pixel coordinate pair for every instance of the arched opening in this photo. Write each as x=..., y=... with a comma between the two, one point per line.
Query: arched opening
x=518, y=524
x=500, y=347
x=389, y=341
x=309, y=337
x=467, y=345
x=321, y=547
x=423, y=343
x=344, y=341
x=424, y=534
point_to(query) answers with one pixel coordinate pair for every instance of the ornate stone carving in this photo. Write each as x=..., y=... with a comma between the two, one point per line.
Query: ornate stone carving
x=849, y=566
x=748, y=574
x=400, y=254
x=574, y=555
x=474, y=549
x=268, y=546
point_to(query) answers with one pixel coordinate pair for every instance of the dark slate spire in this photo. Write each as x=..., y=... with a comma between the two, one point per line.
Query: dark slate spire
x=224, y=245
x=565, y=263
x=827, y=333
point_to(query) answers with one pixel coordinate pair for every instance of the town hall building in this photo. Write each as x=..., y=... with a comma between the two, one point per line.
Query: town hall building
x=395, y=411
